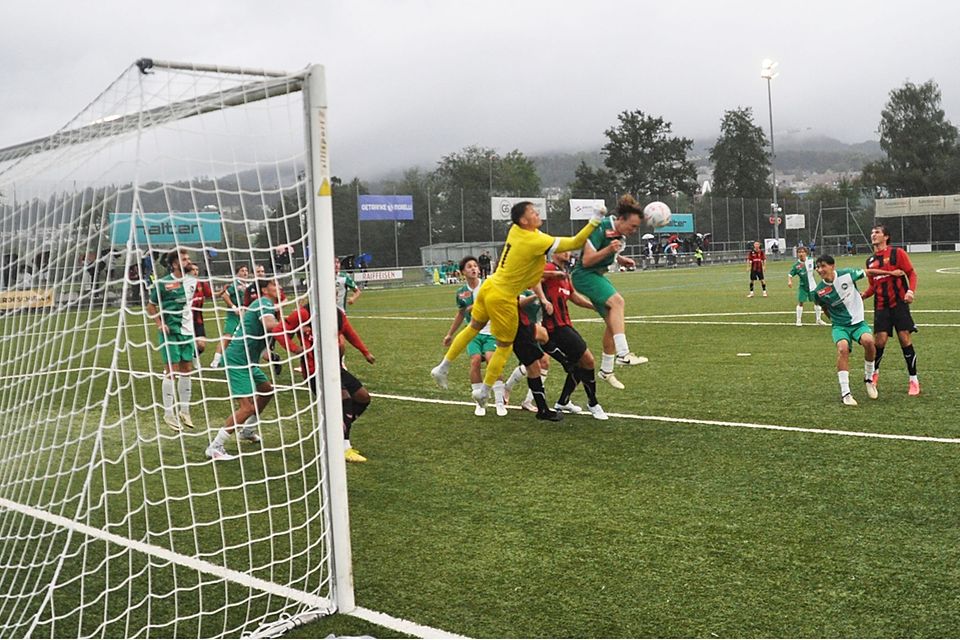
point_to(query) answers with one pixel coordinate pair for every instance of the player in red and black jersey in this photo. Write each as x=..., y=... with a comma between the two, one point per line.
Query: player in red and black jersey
x=565, y=343
x=757, y=259
x=891, y=301
x=202, y=293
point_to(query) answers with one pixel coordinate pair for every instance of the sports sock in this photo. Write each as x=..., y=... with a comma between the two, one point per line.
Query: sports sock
x=763, y=286
x=868, y=368
x=475, y=386
x=568, y=386
x=498, y=388
x=606, y=362
x=751, y=285
x=167, y=390
x=799, y=313
x=359, y=408
x=879, y=357
x=184, y=390
x=497, y=361
x=222, y=437
x=216, y=358
x=444, y=365
x=519, y=373
x=818, y=313
x=910, y=355
x=620, y=344
x=539, y=395
x=844, y=377
x=586, y=376
x=460, y=343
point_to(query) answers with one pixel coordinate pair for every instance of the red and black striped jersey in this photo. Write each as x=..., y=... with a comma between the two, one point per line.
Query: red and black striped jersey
x=557, y=290
x=756, y=260
x=888, y=291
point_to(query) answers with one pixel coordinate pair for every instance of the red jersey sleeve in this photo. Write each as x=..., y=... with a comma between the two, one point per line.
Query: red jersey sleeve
x=285, y=331
x=903, y=261
x=346, y=330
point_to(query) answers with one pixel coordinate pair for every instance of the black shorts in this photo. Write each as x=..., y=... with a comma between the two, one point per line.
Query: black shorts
x=566, y=346
x=756, y=275
x=349, y=382
x=525, y=345
x=199, y=331
x=893, y=317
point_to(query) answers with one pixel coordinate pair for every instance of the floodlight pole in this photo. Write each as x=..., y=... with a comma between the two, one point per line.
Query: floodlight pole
x=767, y=72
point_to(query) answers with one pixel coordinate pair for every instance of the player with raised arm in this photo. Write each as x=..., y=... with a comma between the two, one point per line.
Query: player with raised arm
x=520, y=267
x=756, y=260
x=169, y=306
x=806, y=283
x=482, y=347
x=565, y=344
x=892, y=297
x=232, y=296
x=600, y=251
x=354, y=396
x=247, y=382
x=839, y=298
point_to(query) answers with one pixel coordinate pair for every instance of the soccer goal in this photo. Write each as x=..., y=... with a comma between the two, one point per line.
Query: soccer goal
x=114, y=522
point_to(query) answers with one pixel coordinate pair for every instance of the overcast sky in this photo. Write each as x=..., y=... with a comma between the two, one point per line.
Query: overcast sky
x=411, y=80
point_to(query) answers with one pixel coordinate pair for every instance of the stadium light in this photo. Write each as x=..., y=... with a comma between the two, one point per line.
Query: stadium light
x=768, y=71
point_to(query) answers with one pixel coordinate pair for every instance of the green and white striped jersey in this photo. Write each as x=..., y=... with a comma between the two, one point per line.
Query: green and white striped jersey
x=841, y=298
x=804, y=272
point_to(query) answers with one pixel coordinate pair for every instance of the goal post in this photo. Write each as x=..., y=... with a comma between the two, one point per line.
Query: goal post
x=113, y=519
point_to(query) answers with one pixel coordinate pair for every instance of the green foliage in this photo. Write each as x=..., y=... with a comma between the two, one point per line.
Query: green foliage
x=923, y=157
x=589, y=182
x=741, y=164
x=645, y=160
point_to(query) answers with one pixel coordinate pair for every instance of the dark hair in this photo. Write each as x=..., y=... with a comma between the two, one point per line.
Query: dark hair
x=826, y=259
x=516, y=212
x=884, y=230
x=627, y=205
x=465, y=260
x=173, y=256
x=263, y=282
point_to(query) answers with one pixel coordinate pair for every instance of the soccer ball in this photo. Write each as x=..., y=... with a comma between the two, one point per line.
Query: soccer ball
x=657, y=214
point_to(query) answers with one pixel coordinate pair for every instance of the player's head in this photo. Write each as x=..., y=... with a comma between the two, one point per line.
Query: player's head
x=879, y=235
x=243, y=272
x=469, y=267
x=826, y=266
x=268, y=287
x=802, y=252
x=178, y=261
x=629, y=215
x=756, y=246
x=194, y=269
x=260, y=271
x=561, y=258
x=336, y=264
x=525, y=215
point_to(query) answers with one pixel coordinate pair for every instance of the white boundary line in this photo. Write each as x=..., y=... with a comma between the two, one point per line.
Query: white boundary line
x=399, y=624
x=953, y=271
x=715, y=423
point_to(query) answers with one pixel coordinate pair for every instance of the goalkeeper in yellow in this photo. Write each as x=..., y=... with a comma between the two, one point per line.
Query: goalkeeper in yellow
x=520, y=267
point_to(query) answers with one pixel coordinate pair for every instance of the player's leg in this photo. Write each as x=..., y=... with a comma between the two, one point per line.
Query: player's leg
x=185, y=383
x=246, y=408
x=753, y=277
x=530, y=355
x=477, y=356
x=801, y=298
x=462, y=339
x=504, y=318
x=170, y=356
x=355, y=401
x=865, y=338
x=842, y=341
x=763, y=284
x=905, y=326
x=231, y=324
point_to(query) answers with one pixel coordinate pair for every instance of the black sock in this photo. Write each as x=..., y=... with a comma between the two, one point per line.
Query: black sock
x=751, y=286
x=876, y=361
x=539, y=395
x=568, y=386
x=348, y=416
x=911, y=357
x=586, y=376
x=764, y=286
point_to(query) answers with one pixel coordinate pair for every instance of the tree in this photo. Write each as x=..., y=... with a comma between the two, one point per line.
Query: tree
x=465, y=180
x=741, y=163
x=593, y=183
x=920, y=145
x=645, y=160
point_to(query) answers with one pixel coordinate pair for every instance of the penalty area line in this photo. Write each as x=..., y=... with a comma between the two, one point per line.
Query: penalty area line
x=713, y=423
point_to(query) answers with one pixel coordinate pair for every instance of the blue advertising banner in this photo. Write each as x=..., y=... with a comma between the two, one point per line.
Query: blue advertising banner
x=679, y=223
x=155, y=229
x=385, y=208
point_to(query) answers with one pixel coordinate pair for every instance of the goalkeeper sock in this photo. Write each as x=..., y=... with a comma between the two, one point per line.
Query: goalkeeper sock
x=167, y=390
x=184, y=390
x=495, y=366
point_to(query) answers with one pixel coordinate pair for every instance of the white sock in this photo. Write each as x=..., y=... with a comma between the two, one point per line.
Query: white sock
x=606, y=362
x=816, y=310
x=167, y=391
x=529, y=397
x=498, y=388
x=444, y=366
x=799, y=313
x=252, y=422
x=543, y=375
x=915, y=379
x=868, y=370
x=475, y=385
x=184, y=389
x=347, y=445
x=620, y=344
x=216, y=359
x=518, y=374
x=222, y=437
x=844, y=377
x=196, y=363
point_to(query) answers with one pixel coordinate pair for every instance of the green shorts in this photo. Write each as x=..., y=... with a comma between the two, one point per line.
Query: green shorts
x=805, y=296
x=596, y=287
x=482, y=343
x=242, y=377
x=176, y=348
x=851, y=334
x=233, y=321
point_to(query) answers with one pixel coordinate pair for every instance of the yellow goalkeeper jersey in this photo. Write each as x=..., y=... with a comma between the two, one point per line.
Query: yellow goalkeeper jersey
x=525, y=253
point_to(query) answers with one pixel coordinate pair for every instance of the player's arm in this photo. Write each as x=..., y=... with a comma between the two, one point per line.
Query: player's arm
x=287, y=330
x=523, y=301
x=354, y=338
x=269, y=320
x=591, y=256
x=907, y=266
x=542, y=297
x=352, y=286
x=880, y=272
x=577, y=241
x=870, y=290
x=153, y=311
x=457, y=321
x=231, y=303
x=580, y=300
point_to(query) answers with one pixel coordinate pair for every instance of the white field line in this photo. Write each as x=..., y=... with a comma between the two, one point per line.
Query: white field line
x=953, y=271
x=399, y=624
x=715, y=423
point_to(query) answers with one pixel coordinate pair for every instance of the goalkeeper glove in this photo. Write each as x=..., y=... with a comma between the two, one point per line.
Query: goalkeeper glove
x=598, y=214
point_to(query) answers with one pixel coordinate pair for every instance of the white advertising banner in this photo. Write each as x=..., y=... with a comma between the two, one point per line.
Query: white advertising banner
x=924, y=206
x=796, y=221
x=583, y=209
x=376, y=276
x=500, y=207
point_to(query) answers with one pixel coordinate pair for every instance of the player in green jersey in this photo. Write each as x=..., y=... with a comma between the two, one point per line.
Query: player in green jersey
x=169, y=307
x=247, y=382
x=602, y=250
x=232, y=296
x=838, y=296
x=347, y=289
x=806, y=283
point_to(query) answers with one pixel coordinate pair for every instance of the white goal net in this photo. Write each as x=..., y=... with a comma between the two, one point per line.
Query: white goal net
x=114, y=519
